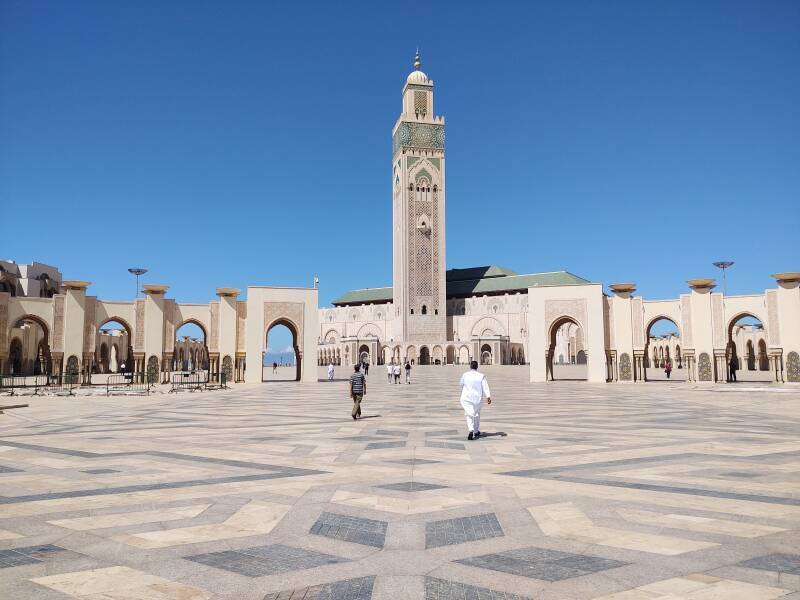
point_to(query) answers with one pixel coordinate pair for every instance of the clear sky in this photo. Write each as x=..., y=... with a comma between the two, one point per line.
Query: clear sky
x=248, y=143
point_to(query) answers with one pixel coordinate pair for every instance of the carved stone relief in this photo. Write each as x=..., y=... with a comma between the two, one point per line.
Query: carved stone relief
x=793, y=367
x=625, y=371
x=89, y=326
x=213, y=344
x=169, y=325
x=704, y=367
x=773, y=327
x=241, y=326
x=4, y=296
x=138, y=336
x=637, y=315
x=718, y=321
x=576, y=309
x=58, y=323
x=686, y=321
x=289, y=311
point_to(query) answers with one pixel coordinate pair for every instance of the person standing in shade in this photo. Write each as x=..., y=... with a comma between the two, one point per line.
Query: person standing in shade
x=474, y=388
x=366, y=367
x=358, y=389
x=733, y=365
x=390, y=371
x=408, y=372
x=330, y=371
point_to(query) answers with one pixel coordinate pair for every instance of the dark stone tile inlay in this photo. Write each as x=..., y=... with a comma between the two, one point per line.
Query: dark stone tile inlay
x=100, y=471
x=460, y=530
x=440, y=589
x=379, y=445
x=414, y=461
x=265, y=560
x=28, y=555
x=542, y=563
x=5, y=469
x=449, y=445
x=411, y=486
x=782, y=563
x=348, y=589
x=351, y=529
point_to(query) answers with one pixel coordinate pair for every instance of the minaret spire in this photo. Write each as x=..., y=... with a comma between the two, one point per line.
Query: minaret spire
x=417, y=62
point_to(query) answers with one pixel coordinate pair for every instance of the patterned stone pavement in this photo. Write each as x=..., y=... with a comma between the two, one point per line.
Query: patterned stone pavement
x=577, y=491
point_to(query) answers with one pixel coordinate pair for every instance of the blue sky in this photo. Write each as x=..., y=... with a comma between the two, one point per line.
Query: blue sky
x=227, y=144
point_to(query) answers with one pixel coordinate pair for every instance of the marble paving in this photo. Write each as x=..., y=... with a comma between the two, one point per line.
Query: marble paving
x=657, y=491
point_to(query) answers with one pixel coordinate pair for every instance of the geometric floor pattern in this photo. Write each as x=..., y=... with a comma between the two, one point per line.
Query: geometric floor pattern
x=653, y=491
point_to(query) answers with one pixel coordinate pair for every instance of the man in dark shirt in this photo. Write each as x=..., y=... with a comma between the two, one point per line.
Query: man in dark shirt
x=358, y=389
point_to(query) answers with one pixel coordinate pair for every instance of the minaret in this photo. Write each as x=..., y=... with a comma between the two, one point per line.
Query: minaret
x=418, y=192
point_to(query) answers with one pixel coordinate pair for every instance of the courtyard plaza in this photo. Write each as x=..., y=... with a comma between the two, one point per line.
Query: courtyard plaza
x=651, y=491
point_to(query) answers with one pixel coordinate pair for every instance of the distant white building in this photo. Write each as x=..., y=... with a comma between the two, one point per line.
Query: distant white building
x=35, y=280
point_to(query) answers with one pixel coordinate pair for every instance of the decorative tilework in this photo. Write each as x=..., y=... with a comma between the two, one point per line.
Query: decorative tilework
x=418, y=135
x=793, y=367
x=542, y=563
x=625, y=372
x=440, y=589
x=463, y=529
x=348, y=589
x=368, y=532
x=411, y=486
x=265, y=560
x=704, y=367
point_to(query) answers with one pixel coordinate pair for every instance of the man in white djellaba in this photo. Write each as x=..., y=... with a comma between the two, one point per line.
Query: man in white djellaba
x=330, y=371
x=474, y=388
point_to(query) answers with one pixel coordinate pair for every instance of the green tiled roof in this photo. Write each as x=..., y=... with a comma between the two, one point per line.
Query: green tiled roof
x=462, y=283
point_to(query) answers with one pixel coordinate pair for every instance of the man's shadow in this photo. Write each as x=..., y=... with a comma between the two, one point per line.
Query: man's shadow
x=492, y=434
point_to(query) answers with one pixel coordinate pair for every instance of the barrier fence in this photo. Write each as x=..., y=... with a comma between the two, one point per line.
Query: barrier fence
x=127, y=383
x=189, y=381
x=14, y=384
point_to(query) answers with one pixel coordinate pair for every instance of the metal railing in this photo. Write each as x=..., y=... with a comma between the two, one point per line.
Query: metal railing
x=14, y=384
x=127, y=383
x=196, y=380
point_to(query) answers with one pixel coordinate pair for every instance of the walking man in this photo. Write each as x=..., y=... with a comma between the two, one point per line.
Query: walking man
x=358, y=388
x=408, y=372
x=396, y=371
x=390, y=370
x=474, y=388
x=330, y=371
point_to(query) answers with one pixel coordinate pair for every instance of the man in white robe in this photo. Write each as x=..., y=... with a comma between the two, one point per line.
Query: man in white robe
x=330, y=371
x=474, y=388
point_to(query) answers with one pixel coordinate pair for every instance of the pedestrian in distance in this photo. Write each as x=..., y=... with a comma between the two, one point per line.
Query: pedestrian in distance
x=733, y=365
x=330, y=371
x=668, y=367
x=397, y=373
x=390, y=371
x=474, y=388
x=274, y=368
x=408, y=372
x=358, y=389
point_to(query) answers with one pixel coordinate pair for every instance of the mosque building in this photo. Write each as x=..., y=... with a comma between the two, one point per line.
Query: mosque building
x=432, y=315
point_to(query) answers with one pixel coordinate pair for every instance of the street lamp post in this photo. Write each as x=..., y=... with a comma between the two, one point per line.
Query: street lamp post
x=724, y=265
x=137, y=271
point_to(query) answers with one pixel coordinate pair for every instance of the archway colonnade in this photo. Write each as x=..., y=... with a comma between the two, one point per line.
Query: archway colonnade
x=80, y=334
x=715, y=338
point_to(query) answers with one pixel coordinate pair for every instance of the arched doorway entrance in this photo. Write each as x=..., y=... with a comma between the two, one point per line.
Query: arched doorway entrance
x=190, y=352
x=565, y=350
x=281, y=360
x=363, y=355
x=662, y=347
x=29, y=348
x=424, y=355
x=451, y=355
x=747, y=348
x=486, y=354
x=113, y=348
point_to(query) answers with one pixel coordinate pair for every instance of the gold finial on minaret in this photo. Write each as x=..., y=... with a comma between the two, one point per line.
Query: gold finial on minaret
x=417, y=63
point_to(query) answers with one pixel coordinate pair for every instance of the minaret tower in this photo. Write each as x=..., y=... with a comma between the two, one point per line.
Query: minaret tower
x=418, y=214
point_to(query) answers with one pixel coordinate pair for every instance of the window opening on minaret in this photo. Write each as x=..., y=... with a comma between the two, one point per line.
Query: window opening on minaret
x=424, y=310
